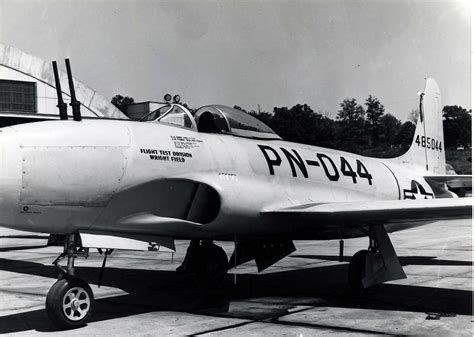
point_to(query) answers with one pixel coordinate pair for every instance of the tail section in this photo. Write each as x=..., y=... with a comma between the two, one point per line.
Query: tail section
x=426, y=152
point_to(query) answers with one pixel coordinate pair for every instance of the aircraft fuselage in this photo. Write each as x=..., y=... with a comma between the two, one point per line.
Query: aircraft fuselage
x=63, y=176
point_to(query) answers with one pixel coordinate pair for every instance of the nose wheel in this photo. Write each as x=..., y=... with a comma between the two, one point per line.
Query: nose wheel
x=70, y=300
x=69, y=303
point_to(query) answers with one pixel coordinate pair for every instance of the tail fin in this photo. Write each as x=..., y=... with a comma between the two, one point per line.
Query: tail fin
x=426, y=152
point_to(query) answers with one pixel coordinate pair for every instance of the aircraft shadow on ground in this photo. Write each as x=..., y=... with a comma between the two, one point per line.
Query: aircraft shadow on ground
x=274, y=294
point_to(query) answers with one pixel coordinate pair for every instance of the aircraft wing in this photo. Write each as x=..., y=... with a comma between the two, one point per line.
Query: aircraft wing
x=349, y=214
x=453, y=181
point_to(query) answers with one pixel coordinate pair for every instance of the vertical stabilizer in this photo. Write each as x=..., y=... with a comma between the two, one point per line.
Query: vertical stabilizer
x=426, y=152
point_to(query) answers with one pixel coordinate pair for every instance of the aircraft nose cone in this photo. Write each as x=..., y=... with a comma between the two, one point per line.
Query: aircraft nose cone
x=10, y=177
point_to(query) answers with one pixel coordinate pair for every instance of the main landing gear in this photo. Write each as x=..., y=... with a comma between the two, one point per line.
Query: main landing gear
x=70, y=300
x=206, y=260
x=357, y=270
x=376, y=265
x=358, y=265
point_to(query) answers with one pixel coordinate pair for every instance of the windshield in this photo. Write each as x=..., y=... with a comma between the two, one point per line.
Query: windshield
x=156, y=113
x=177, y=116
x=173, y=114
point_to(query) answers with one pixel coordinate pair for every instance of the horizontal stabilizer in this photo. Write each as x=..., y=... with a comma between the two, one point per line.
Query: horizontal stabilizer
x=347, y=214
x=453, y=180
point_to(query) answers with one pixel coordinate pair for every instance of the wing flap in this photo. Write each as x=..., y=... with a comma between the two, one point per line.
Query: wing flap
x=127, y=242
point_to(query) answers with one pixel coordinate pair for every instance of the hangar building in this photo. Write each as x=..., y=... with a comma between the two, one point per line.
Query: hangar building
x=27, y=91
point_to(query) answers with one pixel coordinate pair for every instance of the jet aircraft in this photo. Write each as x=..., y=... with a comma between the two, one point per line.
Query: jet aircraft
x=218, y=174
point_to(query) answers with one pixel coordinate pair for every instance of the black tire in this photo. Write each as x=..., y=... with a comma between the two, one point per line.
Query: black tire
x=357, y=270
x=216, y=263
x=69, y=303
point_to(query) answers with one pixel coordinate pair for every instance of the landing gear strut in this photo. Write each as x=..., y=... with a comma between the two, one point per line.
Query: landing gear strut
x=70, y=300
x=358, y=265
x=205, y=260
x=376, y=265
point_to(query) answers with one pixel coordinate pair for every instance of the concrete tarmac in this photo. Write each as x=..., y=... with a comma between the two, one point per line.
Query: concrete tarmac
x=305, y=294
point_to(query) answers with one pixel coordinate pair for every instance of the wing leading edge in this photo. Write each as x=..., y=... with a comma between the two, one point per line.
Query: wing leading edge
x=349, y=214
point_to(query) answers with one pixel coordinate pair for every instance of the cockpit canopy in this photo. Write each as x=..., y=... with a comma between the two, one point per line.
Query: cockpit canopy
x=213, y=119
x=232, y=121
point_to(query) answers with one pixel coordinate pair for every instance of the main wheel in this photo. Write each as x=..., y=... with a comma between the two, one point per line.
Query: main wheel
x=213, y=265
x=69, y=303
x=216, y=263
x=357, y=270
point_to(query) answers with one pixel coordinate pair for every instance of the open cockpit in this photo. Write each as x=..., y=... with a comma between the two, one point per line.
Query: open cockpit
x=218, y=119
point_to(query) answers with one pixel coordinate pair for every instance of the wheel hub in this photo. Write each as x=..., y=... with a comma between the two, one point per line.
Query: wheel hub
x=76, y=303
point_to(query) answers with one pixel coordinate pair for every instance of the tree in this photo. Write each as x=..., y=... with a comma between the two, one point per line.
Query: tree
x=299, y=124
x=374, y=111
x=404, y=137
x=457, y=126
x=351, y=112
x=296, y=124
x=389, y=128
x=121, y=102
x=352, y=134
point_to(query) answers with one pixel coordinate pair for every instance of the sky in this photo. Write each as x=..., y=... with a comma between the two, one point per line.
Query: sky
x=250, y=53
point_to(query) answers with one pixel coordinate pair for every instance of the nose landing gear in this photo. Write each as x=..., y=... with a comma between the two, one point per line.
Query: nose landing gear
x=70, y=300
